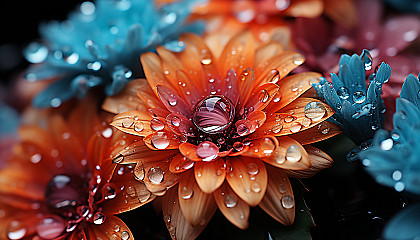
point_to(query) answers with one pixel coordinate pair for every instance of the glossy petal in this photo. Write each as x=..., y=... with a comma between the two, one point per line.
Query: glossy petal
x=112, y=228
x=133, y=122
x=210, y=175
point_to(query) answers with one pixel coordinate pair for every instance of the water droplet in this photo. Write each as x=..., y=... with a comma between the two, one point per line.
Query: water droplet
x=267, y=146
x=287, y=202
x=295, y=127
x=242, y=130
x=160, y=140
x=63, y=183
x=139, y=171
x=315, y=111
x=207, y=150
x=119, y=158
x=138, y=126
x=116, y=228
x=155, y=175
x=109, y=192
x=186, y=193
x=306, y=122
x=213, y=114
x=125, y=235
x=298, y=60
x=176, y=121
x=55, y=102
x=36, y=158
x=397, y=175
x=282, y=188
x=36, y=52
x=256, y=187
x=87, y=8
x=367, y=60
x=107, y=133
x=325, y=130
x=252, y=169
x=238, y=146
x=98, y=218
x=157, y=124
x=293, y=153
x=244, y=12
x=121, y=73
x=277, y=127
x=169, y=17
x=274, y=76
x=288, y=119
x=387, y=144
x=50, y=227
x=343, y=92
x=230, y=201
x=399, y=186
x=206, y=57
x=359, y=97
x=263, y=96
x=17, y=232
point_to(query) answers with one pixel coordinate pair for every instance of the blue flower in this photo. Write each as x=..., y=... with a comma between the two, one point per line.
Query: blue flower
x=394, y=160
x=358, y=109
x=100, y=45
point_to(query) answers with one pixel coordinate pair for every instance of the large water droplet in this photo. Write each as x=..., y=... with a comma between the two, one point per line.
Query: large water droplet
x=343, y=93
x=274, y=76
x=242, y=130
x=213, y=114
x=35, y=52
x=186, y=193
x=267, y=146
x=252, y=168
x=230, y=201
x=98, y=218
x=157, y=124
x=16, y=234
x=293, y=153
x=287, y=202
x=295, y=127
x=155, y=175
x=263, y=96
x=125, y=235
x=277, y=127
x=367, y=60
x=207, y=150
x=160, y=140
x=50, y=227
x=359, y=97
x=315, y=111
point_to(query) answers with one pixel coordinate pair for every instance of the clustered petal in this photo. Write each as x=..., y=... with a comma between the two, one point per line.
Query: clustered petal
x=99, y=45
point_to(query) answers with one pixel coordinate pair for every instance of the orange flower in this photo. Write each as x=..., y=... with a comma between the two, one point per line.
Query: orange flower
x=229, y=130
x=61, y=184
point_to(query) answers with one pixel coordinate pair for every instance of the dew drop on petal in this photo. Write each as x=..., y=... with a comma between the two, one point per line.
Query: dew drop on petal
x=387, y=144
x=176, y=121
x=367, y=60
x=359, y=97
x=277, y=127
x=186, y=193
x=15, y=231
x=315, y=111
x=263, y=96
x=138, y=126
x=160, y=140
x=306, y=122
x=230, y=201
x=36, y=52
x=282, y=188
x=155, y=175
x=139, y=171
x=287, y=202
x=242, y=129
x=116, y=228
x=238, y=146
x=50, y=227
x=36, y=158
x=397, y=175
x=98, y=218
x=206, y=58
x=289, y=119
x=267, y=146
x=256, y=187
x=157, y=124
x=107, y=133
x=295, y=127
x=343, y=93
x=298, y=60
x=207, y=151
x=252, y=168
x=125, y=235
x=293, y=153
x=274, y=76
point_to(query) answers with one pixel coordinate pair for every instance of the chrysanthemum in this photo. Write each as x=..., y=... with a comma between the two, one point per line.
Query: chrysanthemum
x=61, y=184
x=394, y=161
x=228, y=130
x=358, y=109
x=100, y=45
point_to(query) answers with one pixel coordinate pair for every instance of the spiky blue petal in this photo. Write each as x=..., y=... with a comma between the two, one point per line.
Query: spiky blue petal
x=100, y=45
x=404, y=225
x=394, y=160
x=358, y=109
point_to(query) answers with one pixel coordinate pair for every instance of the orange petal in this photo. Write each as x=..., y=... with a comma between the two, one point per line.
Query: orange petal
x=162, y=140
x=129, y=194
x=343, y=12
x=170, y=65
x=178, y=226
x=291, y=88
x=319, y=161
x=197, y=207
x=238, y=53
x=245, y=83
x=267, y=51
x=261, y=96
x=156, y=176
x=318, y=133
x=150, y=99
x=127, y=99
x=309, y=8
x=190, y=151
x=248, y=178
x=306, y=112
x=112, y=228
x=152, y=66
x=232, y=206
x=278, y=201
x=180, y=163
x=283, y=152
x=188, y=88
x=173, y=102
x=133, y=122
x=284, y=62
x=140, y=152
x=210, y=175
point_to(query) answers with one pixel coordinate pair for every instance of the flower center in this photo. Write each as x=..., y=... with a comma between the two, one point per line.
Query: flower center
x=213, y=114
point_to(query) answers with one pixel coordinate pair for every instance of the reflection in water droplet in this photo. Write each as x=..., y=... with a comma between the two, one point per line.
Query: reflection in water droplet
x=139, y=171
x=242, y=130
x=17, y=232
x=367, y=60
x=288, y=119
x=157, y=124
x=176, y=121
x=287, y=202
x=274, y=76
x=277, y=127
x=295, y=127
x=206, y=58
x=98, y=218
x=125, y=235
x=155, y=175
x=282, y=188
x=256, y=187
x=207, y=150
x=293, y=153
x=359, y=97
x=252, y=168
x=267, y=146
x=238, y=146
x=230, y=201
x=263, y=96
x=138, y=126
x=213, y=114
x=306, y=122
x=186, y=193
x=160, y=140
x=343, y=93
x=315, y=111
x=298, y=60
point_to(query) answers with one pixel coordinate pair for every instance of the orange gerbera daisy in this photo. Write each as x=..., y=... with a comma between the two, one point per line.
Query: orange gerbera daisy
x=228, y=130
x=58, y=184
